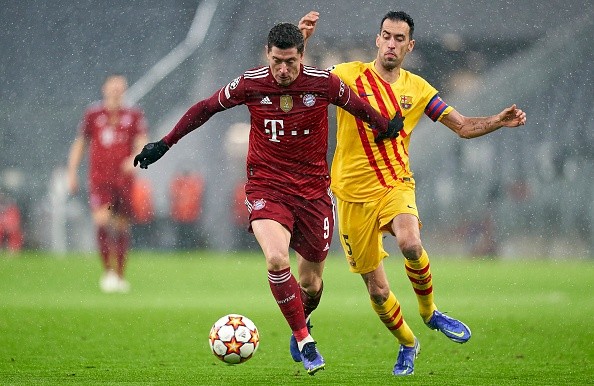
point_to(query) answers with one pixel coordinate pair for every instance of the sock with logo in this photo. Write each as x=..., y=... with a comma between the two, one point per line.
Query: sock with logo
x=287, y=293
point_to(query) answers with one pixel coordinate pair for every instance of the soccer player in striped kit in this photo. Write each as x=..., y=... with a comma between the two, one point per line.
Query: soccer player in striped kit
x=287, y=191
x=374, y=185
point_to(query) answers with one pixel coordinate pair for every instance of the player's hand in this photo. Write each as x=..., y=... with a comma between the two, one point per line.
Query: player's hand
x=126, y=166
x=307, y=24
x=151, y=152
x=394, y=126
x=512, y=117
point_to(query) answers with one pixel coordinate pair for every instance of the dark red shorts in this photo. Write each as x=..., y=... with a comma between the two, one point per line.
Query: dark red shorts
x=118, y=195
x=311, y=222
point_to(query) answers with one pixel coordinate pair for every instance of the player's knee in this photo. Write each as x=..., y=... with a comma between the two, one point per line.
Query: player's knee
x=312, y=284
x=378, y=299
x=277, y=261
x=101, y=216
x=379, y=295
x=411, y=250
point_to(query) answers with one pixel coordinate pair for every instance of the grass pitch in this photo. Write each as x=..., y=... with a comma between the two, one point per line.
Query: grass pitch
x=531, y=323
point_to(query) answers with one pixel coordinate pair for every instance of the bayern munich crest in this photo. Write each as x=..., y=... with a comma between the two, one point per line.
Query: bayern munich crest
x=309, y=100
x=259, y=204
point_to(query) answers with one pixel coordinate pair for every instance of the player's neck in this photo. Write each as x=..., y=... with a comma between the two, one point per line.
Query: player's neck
x=112, y=104
x=388, y=75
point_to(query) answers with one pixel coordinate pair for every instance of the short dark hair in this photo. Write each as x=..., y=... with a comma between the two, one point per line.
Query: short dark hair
x=400, y=16
x=284, y=36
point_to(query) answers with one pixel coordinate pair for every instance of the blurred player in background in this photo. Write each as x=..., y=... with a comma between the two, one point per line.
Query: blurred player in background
x=11, y=231
x=374, y=185
x=185, y=208
x=113, y=133
x=287, y=191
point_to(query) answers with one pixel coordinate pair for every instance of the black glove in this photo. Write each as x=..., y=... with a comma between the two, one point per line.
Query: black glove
x=394, y=127
x=151, y=152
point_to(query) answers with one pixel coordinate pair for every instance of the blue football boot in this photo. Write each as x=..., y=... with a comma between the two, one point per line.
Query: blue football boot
x=293, y=348
x=454, y=329
x=405, y=364
x=312, y=359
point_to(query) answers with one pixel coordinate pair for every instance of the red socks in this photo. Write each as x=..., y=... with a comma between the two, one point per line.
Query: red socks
x=287, y=293
x=103, y=244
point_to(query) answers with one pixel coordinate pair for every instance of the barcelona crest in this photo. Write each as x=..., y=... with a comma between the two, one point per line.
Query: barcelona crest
x=406, y=102
x=286, y=103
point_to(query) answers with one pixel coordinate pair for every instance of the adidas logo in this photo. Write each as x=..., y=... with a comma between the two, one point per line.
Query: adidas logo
x=265, y=101
x=327, y=247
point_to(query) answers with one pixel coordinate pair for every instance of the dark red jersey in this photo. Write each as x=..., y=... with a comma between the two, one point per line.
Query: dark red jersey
x=110, y=135
x=289, y=126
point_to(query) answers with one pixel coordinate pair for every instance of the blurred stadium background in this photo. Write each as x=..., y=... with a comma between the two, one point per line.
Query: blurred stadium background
x=528, y=192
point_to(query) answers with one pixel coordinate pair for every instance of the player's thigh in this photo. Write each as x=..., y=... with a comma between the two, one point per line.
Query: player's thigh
x=406, y=228
x=100, y=200
x=274, y=240
x=271, y=221
x=121, y=204
x=360, y=235
x=398, y=201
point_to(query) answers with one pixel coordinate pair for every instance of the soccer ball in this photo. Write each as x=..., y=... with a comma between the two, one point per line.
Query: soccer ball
x=234, y=339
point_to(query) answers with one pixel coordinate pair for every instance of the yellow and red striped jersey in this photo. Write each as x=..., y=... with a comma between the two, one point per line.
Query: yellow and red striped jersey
x=361, y=169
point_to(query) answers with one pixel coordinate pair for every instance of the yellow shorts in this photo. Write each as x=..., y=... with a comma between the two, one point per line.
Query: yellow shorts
x=361, y=225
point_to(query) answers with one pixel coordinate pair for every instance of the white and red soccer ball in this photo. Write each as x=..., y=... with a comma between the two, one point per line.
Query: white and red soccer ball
x=234, y=338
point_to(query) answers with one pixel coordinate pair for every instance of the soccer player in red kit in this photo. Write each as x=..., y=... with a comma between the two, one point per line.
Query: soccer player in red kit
x=113, y=133
x=287, y=189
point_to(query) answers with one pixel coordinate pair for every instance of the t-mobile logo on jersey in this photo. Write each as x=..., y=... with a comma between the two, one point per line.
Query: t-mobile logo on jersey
x=275, y=127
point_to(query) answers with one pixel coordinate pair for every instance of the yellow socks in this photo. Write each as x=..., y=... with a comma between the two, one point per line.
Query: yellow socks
x=389, y=313
x=419, y=274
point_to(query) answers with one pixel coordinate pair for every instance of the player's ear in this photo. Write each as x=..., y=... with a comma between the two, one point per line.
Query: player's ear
x=266, y=52
x=411, y=45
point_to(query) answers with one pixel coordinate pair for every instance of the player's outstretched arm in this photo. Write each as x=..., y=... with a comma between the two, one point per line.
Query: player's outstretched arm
x=472, y=127
x=195, y=117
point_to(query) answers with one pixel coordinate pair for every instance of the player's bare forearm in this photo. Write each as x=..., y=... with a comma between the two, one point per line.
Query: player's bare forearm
x=472, y=127
x=75, y=156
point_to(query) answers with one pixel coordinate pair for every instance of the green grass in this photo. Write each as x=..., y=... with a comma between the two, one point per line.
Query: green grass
x=531, y=323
